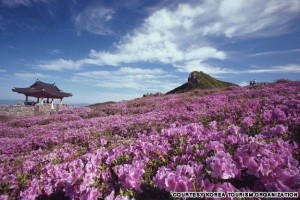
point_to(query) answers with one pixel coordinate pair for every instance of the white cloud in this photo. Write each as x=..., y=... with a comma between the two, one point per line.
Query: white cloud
x=275, y=52
x=58, y=65
x=233, y=18
x=183, y=36
x=179, y=36
x=94, y=20
x=30, y=75
x=128, y=77
x=161, y=38
x=55, y=51
x=12, y=3
x=293, y=68
x=196, y=66
x=2, y=70
x=199, y=66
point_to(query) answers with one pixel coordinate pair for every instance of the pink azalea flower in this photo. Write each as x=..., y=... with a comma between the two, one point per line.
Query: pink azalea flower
x=90, y=168
x=279, y=129
x=213, y=125
x=233, y=129
x=48, y=189
x=224, y=187
x=171, y=182
x=3, y=197
x=130, y=175
x=93, y=194
x=110, y=196
x=222, y=166
x=232, y=139
x=253, y=166
x=248, y=122
x=182, y=185
x=33, y=191
x=28, y=165
x=215, y=145
x=122, y=197
x=159, y=178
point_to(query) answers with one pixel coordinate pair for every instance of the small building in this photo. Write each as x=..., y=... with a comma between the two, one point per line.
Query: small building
x=42, y=90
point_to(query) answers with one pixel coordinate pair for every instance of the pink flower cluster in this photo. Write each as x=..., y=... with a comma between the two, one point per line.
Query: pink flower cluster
x=222, y=166
x=130, y=176
x=179, y=180
x=236, y=139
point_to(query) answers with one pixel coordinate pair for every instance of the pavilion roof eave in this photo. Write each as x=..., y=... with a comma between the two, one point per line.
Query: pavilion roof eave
x=61, y=95
x=40, y=93
x=43, y=90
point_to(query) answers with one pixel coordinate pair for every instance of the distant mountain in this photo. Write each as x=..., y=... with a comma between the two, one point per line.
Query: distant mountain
x=200, y=80
x=78, y=105
x=101, y=104
x=9, y=102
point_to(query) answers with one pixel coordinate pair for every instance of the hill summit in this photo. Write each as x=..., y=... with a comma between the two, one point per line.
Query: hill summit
x=200, y=80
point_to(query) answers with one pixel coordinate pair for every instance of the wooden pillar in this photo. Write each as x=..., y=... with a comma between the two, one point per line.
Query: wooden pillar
x=61, y=102
x=38, y=100
x=42, y=101
x=26, y=100
x=52, y=105
x=47, y=100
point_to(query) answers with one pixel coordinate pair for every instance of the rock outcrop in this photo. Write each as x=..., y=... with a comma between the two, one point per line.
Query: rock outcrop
x=28, y=111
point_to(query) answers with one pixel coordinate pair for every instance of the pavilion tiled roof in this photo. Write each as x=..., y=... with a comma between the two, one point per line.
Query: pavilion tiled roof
x=42, y=90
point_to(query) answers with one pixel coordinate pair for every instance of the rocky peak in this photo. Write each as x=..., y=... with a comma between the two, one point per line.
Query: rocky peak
x=193, y=77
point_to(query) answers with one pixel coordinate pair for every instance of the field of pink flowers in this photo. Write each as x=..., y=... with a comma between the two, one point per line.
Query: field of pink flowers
x=237, y=139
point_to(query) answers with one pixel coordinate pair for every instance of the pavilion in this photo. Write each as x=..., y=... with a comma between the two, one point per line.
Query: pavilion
x=42, y=90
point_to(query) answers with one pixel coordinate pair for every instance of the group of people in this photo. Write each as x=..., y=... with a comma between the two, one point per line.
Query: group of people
x=253, y=82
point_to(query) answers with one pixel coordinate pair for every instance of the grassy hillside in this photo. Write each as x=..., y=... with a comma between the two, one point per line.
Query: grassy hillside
x=231, y=140
x=201, y=81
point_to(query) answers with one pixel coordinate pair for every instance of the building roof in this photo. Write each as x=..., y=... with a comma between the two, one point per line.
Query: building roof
x=42, y=90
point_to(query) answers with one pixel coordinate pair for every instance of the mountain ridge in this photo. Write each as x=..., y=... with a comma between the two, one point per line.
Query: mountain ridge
x=200, y=80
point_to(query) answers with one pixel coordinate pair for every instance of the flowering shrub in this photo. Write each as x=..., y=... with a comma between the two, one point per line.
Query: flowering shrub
x=236, y=139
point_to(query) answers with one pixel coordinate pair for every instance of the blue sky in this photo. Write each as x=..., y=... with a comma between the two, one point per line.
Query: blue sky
x=115, y=50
